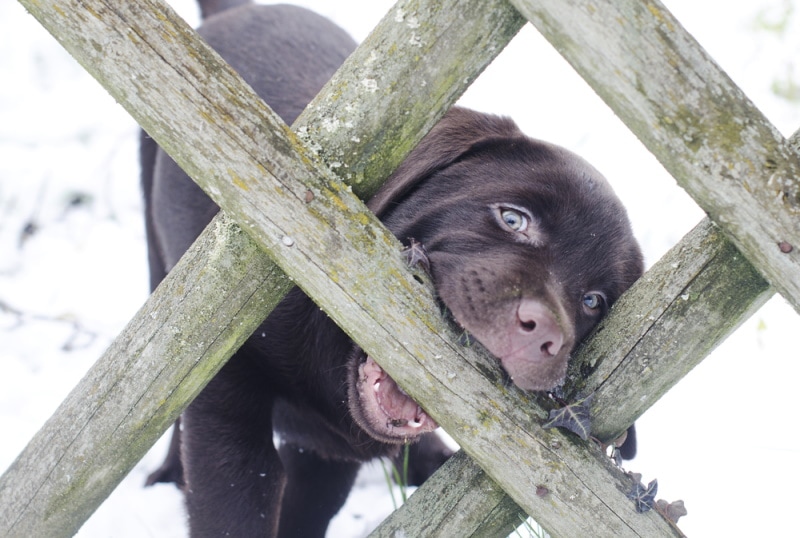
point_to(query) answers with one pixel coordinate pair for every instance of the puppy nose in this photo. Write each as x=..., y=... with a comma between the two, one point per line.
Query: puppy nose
x=539, y=327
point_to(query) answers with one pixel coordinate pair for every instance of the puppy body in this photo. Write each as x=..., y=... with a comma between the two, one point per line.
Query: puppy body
x=527, y=246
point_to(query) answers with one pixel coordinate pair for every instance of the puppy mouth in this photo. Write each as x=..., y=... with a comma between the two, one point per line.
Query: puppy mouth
x=390, y=414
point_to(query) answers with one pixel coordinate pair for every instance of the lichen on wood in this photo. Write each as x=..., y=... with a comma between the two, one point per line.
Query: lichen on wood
x=692, y=117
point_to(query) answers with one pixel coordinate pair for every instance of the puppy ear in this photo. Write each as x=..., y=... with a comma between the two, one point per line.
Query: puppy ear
x=456, y=133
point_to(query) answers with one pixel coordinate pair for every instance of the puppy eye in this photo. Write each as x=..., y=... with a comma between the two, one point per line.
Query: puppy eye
x=519, y=222
x=514, y=219
x=593, y=302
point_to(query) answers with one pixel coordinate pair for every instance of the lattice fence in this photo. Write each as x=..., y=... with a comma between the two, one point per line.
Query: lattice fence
x=736, y=165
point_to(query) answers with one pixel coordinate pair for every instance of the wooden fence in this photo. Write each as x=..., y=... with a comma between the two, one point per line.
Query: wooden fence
x=649, y=70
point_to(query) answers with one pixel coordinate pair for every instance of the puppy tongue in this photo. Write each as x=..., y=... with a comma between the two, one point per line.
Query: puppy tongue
x=398, y=407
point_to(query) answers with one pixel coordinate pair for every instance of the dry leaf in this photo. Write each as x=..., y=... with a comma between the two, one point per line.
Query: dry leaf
x=672, y=511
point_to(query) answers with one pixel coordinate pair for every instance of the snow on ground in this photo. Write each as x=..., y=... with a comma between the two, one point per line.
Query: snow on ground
x=73, y=271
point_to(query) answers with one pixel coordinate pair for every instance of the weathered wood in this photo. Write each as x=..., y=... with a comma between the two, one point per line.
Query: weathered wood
x=666, y=324
x=701, y=290
x=374, y=338
x=692, y=117
x=459, y=500
x=137, y=388
x=399, y=83
x=46, y=478
x=394, y=320
x=573, y=476
x=674, y=316
x=369, y=292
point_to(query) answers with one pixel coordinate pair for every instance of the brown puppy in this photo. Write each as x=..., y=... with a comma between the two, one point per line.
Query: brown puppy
x=526, y=244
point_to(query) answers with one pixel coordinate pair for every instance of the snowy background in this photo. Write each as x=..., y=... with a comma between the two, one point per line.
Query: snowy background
x=73, y=265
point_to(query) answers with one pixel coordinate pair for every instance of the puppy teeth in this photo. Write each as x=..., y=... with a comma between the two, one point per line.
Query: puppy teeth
x=414, y=423
x=377, y=386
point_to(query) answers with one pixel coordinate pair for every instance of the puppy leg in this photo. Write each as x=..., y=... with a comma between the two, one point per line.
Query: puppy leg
x=316, y=489
x=628, y=448
x=234, y=477
x=172, y=469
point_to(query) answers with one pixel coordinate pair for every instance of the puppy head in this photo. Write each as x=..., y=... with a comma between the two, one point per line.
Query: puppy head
x=528, y=244
x=528, y=248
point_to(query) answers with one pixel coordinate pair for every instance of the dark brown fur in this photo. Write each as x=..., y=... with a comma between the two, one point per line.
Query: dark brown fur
x=527, y=247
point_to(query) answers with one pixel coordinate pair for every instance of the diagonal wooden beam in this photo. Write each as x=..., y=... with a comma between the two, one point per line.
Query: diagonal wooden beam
x=696, y=296
x=497, y=425
x=157, y=365
x=692, y=117
x=703, y=288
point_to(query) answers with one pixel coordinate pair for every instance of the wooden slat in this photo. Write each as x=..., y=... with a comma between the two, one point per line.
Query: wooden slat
x=692, y=117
